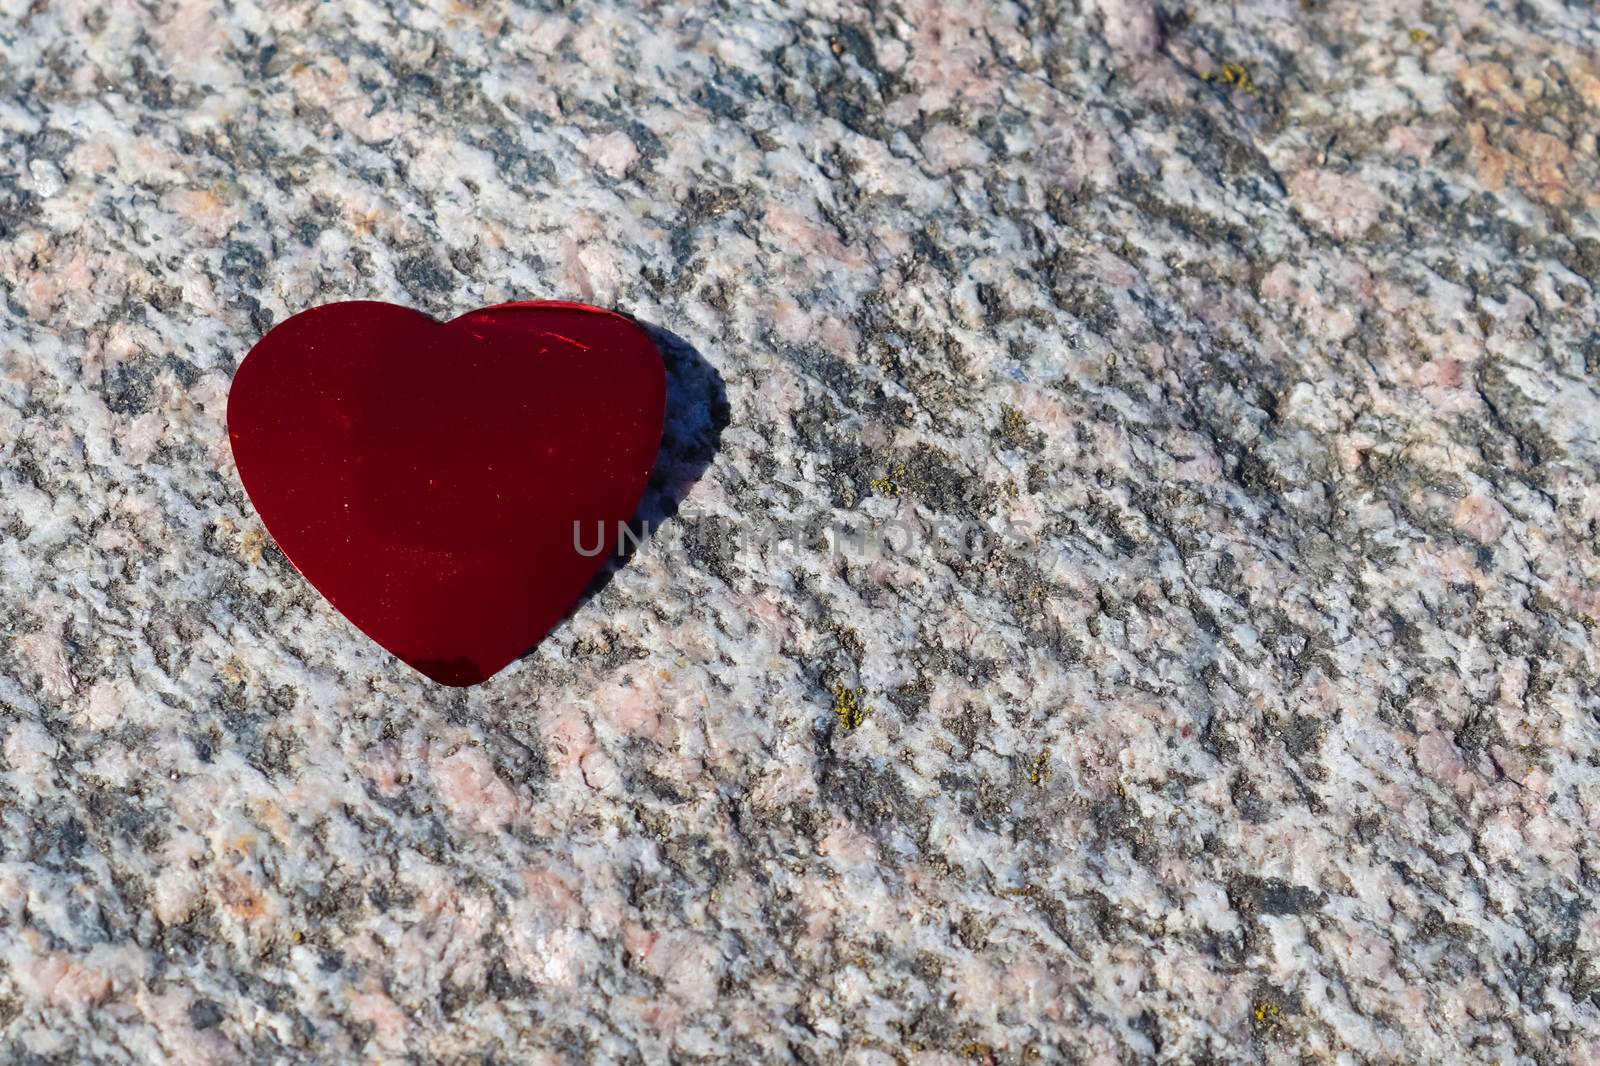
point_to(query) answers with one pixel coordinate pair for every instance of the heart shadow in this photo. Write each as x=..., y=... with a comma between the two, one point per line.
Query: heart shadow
x=697, y=412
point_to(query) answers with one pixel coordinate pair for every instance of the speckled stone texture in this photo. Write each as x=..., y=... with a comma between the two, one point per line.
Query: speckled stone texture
x=1271, y=736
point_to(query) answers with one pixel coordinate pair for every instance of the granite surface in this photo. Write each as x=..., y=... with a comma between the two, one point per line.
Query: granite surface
x=1261, y=337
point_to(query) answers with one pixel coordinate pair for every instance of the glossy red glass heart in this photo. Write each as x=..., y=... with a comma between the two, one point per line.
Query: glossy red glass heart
x=446, y=484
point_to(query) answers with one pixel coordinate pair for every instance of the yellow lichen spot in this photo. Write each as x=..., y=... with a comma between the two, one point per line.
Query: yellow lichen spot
x=1420, y=36
x=1014, y=430
x=848, y=706
x=1041, y=771
x=1238, y=76
x=1268, y=1014
x=887, y=485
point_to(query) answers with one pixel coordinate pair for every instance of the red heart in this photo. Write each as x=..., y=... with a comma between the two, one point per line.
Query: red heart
x=443, y=484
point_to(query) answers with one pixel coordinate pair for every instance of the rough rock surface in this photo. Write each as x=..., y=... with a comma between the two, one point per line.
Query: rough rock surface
x=1266, y=332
